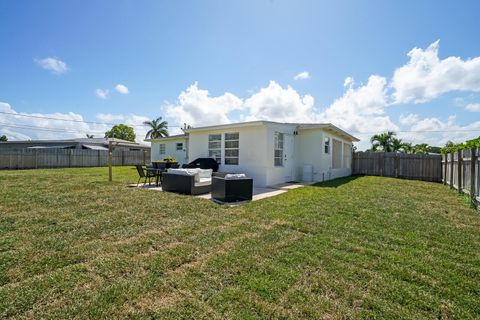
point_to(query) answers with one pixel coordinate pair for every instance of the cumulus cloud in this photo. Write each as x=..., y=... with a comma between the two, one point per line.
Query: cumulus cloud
x=102, y=93
x=349, y=82
x=36, y=126
x=122, y=89
x=408, y=119
x=473, y=107
x=53, y=65
x=196, y=107
x=305, y=75
x=437, y=132
x=426, y=76
x=361, y=109
x=276, y=103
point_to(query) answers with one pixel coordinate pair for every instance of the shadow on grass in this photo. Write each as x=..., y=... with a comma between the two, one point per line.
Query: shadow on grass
x=335, y=183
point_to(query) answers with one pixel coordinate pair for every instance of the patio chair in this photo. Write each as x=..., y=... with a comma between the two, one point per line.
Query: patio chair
x=231, y=187
x=144, y=175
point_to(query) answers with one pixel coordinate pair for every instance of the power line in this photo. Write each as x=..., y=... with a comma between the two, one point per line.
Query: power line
x=72, y=120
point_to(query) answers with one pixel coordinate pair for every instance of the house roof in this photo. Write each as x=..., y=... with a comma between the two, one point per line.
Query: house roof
x=173, y=137
x=88, y=141
x=300, y=126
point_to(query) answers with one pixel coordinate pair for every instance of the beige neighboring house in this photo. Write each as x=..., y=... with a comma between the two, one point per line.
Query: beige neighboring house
x=269, y=152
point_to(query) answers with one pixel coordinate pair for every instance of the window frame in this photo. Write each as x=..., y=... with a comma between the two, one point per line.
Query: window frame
x=177, y=145
x=160, y=147
x=226, y=140
x=278, y=146
x=327, y=145
x=215, y=150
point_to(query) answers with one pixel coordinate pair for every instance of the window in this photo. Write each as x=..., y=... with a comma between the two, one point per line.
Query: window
x=278, y=149
x=215, y=147
x=231, y=145
x=347, y=156
x=161, y=148
x=179, y=146
x=327, y=145
x=336, y=154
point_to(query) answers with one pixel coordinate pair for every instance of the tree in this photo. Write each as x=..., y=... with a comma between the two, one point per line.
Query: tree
x=397, y=144
x=382, y=141
x=3, y=138
x=158, y=128
x=421, y=148
x=89, y=136
x=407, y=147
x=121, y=131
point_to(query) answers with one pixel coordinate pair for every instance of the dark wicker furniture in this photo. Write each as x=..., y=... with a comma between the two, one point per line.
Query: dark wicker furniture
x=202, y=163
x=231, y=190
x=172, y=182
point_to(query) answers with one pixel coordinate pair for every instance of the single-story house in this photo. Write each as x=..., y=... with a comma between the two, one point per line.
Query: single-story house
x=79, y=143
x=269, y=152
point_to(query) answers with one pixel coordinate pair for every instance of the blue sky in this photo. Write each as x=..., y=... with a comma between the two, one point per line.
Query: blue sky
x=204, y=62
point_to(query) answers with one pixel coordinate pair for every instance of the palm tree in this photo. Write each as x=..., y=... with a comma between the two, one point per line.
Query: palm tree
x=158, y=128
x=383, y=141
x=407, y=147
x=422, y=148
x=397, y=144
x=89, y=136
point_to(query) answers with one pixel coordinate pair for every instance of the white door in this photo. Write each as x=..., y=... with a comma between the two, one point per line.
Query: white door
x=288, y=160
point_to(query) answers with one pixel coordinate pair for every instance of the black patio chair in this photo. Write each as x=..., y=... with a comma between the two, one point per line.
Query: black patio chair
x=144, y=175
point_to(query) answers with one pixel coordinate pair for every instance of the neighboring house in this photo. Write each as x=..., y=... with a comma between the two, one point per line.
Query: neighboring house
x=269, y=152
x=81, y=143
x=171, y=146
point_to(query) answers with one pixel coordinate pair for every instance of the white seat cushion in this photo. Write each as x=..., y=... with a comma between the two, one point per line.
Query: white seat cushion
x=205, y=173
x=233, y=176
x=203, y=182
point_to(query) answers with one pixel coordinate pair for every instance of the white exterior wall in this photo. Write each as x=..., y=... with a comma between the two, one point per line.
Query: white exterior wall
x=170, y=150
x=252, y=151
x=310, y=148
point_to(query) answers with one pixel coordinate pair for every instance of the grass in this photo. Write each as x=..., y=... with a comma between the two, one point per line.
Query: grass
x=73, y=245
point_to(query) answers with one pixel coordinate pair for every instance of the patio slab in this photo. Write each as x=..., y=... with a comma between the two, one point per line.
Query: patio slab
x=258, y=193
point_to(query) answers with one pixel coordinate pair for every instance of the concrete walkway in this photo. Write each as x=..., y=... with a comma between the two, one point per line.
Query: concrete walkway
x=258, y=193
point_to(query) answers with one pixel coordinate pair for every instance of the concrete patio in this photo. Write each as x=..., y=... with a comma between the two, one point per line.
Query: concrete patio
x=258, y=193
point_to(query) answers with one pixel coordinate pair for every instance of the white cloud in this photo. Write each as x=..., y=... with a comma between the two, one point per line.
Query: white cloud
x=36, y=126
x=276, y=103
x=408, y=119
x=473, y=107
x=305, y=75
x=53, y=65
x=197, y=108
x=122, y=89
x=349, y=82
x=436, y=132
x=426, y=76
x=102, y=93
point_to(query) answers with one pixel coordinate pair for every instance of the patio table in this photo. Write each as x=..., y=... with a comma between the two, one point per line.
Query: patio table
x=158, y=174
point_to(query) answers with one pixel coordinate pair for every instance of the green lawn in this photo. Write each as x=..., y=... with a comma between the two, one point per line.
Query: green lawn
x=73, y=245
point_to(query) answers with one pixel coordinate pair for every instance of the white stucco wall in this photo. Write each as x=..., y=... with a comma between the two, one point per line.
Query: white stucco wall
x=309, y=146
x=170, y=150
x=252, y=151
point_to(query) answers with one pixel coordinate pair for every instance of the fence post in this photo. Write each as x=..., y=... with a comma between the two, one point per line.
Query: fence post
x=444, y=169
x=397, y=165
x=144, y=157
x=459, y=171
x=451, y=170
x=473, y=176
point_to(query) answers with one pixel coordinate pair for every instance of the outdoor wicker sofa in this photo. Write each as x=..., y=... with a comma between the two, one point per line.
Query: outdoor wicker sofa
x=187, y=181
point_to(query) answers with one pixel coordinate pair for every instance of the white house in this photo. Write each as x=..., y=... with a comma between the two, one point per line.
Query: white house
x=269, y=152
